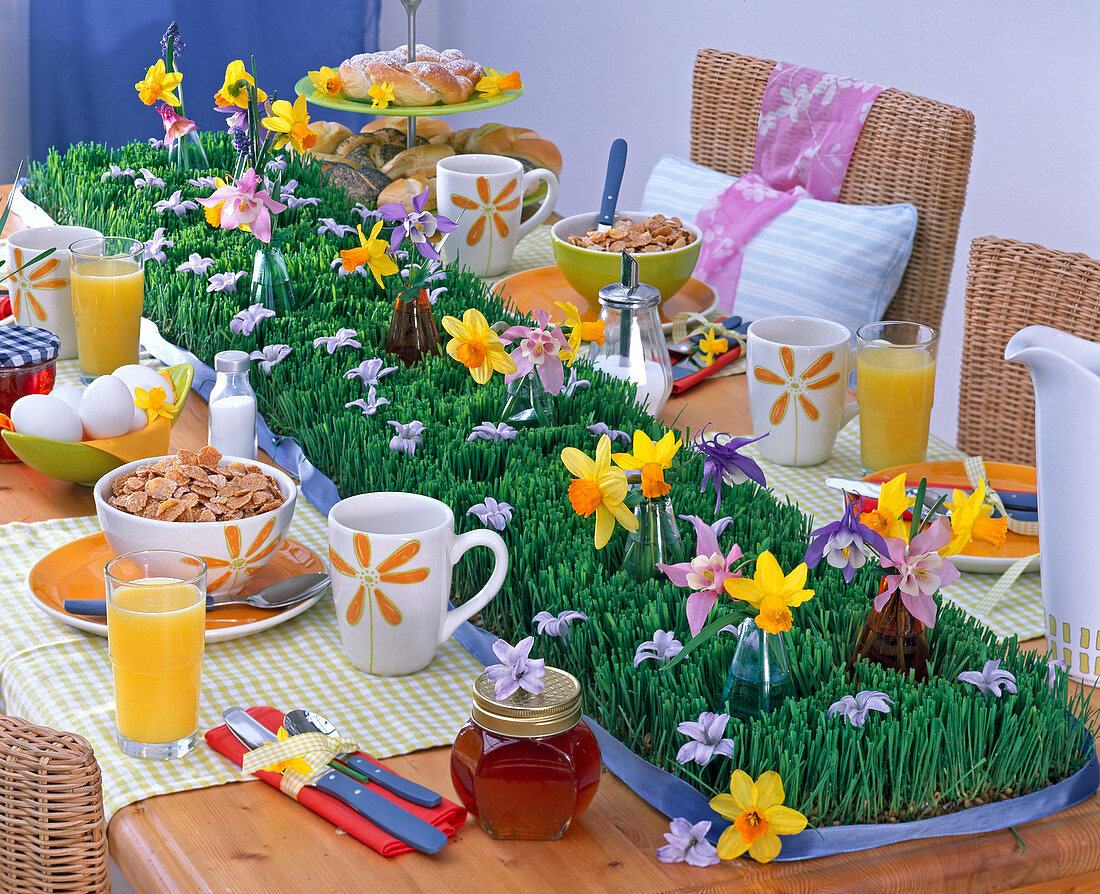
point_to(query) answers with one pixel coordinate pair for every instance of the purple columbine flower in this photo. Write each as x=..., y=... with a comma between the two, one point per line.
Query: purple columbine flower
x=492, y=514
x=856, y=707
x=517, y=669
x=113, y=172
x=708, y=738
x=203, y=182
x=722, y=458
x=369, y=372
x=599, y=429
x=574, y=383
x=298, y=202
x=344, y=338
x=329, y=225
x=1052, y=670
x=175, y=204
x=154, y=248
x=844, y=544
x=417, y=225
x=688, y=844
x=276, y=165
x=557, y=625
x=370, y=405
x=408, y=437
x=247, y=320
x=663, y=646
x=148, y=180
x=990, y=679
x=487, y=431
x=224, y=282
x=196, y=264
x=270, y=356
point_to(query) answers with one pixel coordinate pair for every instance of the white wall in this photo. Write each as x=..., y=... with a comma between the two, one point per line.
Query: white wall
x=599, y=69
x=15, y=109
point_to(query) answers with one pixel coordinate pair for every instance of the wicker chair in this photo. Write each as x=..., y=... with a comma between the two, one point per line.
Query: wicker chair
x=1010, y=285
x=52, y=834
x=911, y=150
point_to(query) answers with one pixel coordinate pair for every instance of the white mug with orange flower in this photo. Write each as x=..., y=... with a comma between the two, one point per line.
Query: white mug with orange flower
x=41, y=294
x=483, y=195
x=797, y=373
x=392, y=555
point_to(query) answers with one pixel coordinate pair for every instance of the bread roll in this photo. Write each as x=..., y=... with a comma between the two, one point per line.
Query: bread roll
x=428, y=128
x=435, y=77
x=420, y=162
x=456, y=139
x=330, y=134
x=516, y=142
x=405, y=190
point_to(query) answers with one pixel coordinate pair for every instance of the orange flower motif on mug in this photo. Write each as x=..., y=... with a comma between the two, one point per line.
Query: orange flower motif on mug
x=797, y=386
x=25, y=281
x=489, y=209
x=245, y=563
x=371, y=578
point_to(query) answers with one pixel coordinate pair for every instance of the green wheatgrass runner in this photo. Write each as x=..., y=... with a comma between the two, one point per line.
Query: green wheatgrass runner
x=942, y=747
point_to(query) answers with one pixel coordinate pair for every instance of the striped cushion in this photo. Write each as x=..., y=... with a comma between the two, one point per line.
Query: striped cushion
x=820, y=259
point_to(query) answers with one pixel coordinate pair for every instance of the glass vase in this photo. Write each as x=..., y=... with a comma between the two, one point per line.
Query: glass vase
x=412, y=334
x=657, y=539
x=270, y=281
x=528, y=403
x=759, y=677
x=894, y=639
x=187, y=154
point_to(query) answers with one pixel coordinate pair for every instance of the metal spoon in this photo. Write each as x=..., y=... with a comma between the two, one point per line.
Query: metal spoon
x=281, y=594
x=358, y=767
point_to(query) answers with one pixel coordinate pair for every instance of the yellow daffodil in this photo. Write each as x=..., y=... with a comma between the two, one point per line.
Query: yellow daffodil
x=291, y=122
x=579, y=330
x=154, y=402
x=886, y=518
x=495, y=83
x=476, y=346
x=598, y=488
x=713, y=346
x=381, y=95
x=648, y=451
x=758, y=816
x=653, y=481
x=158, y=85
x=770, y=593
x=970, y=521
x=373, y=252
x=296, y=764
x=327, y=81
x=233, y=92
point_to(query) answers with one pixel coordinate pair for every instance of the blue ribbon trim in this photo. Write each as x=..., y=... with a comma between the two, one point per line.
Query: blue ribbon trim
x=669, y=794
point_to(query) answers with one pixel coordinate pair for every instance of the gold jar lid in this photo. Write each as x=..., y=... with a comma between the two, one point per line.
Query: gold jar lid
x=556, y=709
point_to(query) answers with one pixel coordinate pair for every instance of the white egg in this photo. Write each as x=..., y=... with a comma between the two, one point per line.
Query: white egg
x=46, y=417
x=70, y=394
x=140, y=420
x=137, y=376
x=107, y=408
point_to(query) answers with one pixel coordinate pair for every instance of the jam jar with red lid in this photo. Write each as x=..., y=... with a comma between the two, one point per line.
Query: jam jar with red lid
x=28, y=360
x=526, y=766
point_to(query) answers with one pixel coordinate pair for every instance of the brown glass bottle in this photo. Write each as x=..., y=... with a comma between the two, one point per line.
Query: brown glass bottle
x=894, y=639
x=413, y=334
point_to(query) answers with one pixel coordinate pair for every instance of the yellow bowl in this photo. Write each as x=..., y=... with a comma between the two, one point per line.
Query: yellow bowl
x=85, y=462
x=588, y=270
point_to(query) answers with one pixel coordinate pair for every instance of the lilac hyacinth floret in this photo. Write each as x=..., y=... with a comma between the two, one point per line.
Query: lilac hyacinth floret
x=154, y=248
x=148, y=180
x=708, y=738
x=663, y=646
x=369, y=372
x=599, y=429
x=203, y=182
x=301, y=201
x=196, y=264
x=855, y=708
x=517, y=669
x=370, y=404
x=487, y=431
x=270, y=356
x=688, y=844
x=175, y=204
x=247, y=320
x=1052, y=670
x=224, y=282
x=344, y=338
x=113, y=172
x=329, y=225
x=723, y=458
x=492, y=514
x=408, y=437
x=574, y=383
x=276, y=165
x=845, y=544
x=559, y=624
x=991, y=679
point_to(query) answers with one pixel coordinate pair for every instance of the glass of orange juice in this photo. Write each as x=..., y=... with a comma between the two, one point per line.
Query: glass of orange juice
x=895, y=382
x=156, y=620
x=108, y=285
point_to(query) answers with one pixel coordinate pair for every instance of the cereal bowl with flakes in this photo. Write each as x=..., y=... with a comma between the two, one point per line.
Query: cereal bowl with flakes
x=232, y=512
x=666, y=249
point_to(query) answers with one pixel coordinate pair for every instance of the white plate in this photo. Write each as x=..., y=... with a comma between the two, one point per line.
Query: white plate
x=990, y=564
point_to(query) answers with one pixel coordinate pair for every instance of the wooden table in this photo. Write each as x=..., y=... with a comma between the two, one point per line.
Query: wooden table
x=246, y=837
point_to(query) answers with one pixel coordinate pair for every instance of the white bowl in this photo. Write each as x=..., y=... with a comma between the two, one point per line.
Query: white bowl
x=233, y=550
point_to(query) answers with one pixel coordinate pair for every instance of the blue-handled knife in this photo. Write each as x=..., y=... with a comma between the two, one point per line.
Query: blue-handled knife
x=389, y=817
x=616, y=164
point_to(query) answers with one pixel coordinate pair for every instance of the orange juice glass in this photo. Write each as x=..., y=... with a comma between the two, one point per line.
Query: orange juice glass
x=108, y=284
x=156, y=619
x=895, y=383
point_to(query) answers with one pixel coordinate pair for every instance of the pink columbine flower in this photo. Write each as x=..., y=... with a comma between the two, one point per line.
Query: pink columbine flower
x=921, y=571
x=175, y=126
x=245, y=203
x=539, y=351
x=706, y=574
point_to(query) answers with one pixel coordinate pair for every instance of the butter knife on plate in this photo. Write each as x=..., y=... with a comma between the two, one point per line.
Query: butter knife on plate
x=384, y=813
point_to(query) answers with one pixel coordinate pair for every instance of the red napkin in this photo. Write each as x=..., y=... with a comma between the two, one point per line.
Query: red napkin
x=684, y=382
x=447, y=817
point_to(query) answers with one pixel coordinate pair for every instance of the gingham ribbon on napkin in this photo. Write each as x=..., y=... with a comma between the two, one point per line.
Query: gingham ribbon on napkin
x=302, y=759
x=688, y=323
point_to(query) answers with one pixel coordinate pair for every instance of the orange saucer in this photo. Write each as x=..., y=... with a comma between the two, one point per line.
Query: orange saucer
x=538, y=289
x=75, y=571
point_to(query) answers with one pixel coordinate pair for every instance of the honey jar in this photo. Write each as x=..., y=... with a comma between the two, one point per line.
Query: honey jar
x=526, y=766
x=28, y=360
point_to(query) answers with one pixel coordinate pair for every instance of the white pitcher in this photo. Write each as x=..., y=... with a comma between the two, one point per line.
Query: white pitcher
x=1065, y=370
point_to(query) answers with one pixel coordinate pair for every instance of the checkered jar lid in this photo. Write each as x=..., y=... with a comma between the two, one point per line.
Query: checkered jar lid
x=27, y=346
